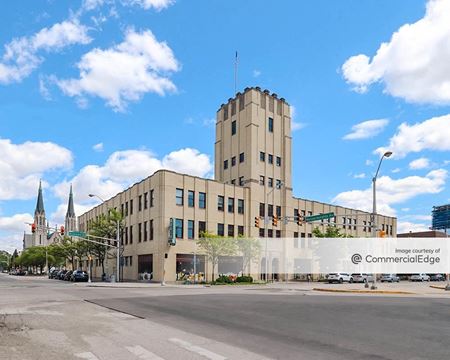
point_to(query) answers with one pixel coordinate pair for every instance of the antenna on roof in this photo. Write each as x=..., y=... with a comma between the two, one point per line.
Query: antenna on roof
x=235, y=72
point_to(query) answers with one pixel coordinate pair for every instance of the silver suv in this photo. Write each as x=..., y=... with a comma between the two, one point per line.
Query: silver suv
x=389, y=278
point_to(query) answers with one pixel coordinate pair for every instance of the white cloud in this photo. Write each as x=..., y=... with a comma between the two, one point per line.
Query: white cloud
x=16, y=223
x=147, y=4
x=98, y=147
x=297, y=126
x=405, y=209
x=125, y=72
x=21, y=55
x=407, y=226
x=396, y=170
x=369, y=162
x=411, y=64
x=420, y=163
x=391, y=192
x=92, y=4
x=432, y=134
x=11, y=241
x=256, y=73
x=366, y=129
x=120, y=171
x=22, y=165
x=359, y=176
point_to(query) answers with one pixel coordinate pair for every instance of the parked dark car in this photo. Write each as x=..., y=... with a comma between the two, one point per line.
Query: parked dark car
x=437, y=277
x=52, y=274
x=79, y=275
x=61, y=274
x=68, y=275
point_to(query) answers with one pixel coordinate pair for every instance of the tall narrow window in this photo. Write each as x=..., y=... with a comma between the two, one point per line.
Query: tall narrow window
x=261, y=180
x=191, y=200
x=231, y=205
x=270, y=123
x=231, y=230
x=278, y=211
x=269, y=210
x=131, y=207
x=152, y=230
x=179, y=228
x=241, y=157
x=201, y=228
x=225, y=164
x=131, y=234
x=140, y=203
x=240, y=230
x=278, y=161
x=139, y=232
x=179, y=196
x=145, y=200
x=220, y=229
x=240, y=206
x=202, y=200
x=270, y=159
x=233, y=161
x=145, y=230
x=220, y=203
x=152, y=198
x=233, y=127
x=262, y=156
x=262, y=209
x=190, y=229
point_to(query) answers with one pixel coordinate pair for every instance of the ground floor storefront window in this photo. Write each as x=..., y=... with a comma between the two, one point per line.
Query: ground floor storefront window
x=190, y=267
x=145, y=267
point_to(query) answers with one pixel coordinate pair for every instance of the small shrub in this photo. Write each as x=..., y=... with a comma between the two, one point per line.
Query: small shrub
x=223, y=279
x=244, y=279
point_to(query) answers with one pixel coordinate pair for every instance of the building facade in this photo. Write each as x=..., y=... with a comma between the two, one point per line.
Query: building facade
x=253, y=179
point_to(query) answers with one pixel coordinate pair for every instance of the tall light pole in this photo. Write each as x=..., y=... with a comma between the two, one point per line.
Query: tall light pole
x=117, y=241
x=374, y=207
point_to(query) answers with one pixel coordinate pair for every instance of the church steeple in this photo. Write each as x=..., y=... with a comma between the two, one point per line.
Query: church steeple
x=71, y=220
x=40, y=201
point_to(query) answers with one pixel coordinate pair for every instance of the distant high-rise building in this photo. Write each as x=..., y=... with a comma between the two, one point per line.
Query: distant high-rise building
x=441, y=217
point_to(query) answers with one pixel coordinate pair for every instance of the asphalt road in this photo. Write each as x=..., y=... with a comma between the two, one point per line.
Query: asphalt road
x=285, y=326
x=46, y=319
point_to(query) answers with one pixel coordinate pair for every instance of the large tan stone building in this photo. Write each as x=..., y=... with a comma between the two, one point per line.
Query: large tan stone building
x=253, y=178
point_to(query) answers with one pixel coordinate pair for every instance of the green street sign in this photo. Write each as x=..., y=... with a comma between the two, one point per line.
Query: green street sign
x=81, y=234
x=319, y=217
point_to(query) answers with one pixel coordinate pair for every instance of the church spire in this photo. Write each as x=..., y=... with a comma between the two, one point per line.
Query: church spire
x=40, y=201
x=70, y=207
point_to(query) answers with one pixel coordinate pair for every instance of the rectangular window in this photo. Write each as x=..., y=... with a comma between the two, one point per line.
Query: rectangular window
x=225, y=164
x=270, y=233
x=220, y=202
x=179, y=228
x=140, y=203
x=131, y=260
x=278, y=233
x=233, y=161
x=152, y=198
x=270, y=182
x=231, y=230
x=262, y=208
x=220, y=230
x=233, y=181
x=354, y=224
x=261, y=180
x=240, y=206
x=269, y=210
x=126, y=208
x=241, y=157
x=241, y=181
x=278, y=184
x=233, y=128
x=270, y=159
x=152, y=230
x=262, y=156
x=131, y=234
x=231, y=205
x=145, y=200
x=202, y=200
x=191, y=198
x=131, y=207
x=296, y=214
x=179, y=196
x=145, y=230
x=270, y=125
x=201, y=228
x=262, y=233
x=278, y=211
x=139, y=232
x=122, y=212
x=240, y=230
x=278, y=161
x=190, y=229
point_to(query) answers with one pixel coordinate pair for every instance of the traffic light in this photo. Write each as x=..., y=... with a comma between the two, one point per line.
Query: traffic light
x=382, y=234
x=299, y=220
x=257, y=221
x=33, y=228
x=274, y=220
x=61, y=230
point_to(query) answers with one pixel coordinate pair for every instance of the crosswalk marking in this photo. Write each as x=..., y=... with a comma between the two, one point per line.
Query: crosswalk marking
x=87, y=356
x=143, y=353
x=197, y=349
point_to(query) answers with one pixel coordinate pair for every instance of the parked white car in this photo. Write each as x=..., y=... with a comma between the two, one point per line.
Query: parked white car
x=339, y=278
x=420, y=277
x=389, y=278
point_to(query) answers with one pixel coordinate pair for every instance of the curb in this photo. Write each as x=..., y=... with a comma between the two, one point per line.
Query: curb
x=365, y=291
x=437, y=287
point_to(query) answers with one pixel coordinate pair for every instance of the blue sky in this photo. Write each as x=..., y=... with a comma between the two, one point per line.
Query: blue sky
x=89, y=89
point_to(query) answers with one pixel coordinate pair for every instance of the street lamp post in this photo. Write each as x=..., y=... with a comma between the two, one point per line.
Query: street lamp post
x=374, y=208
x=117, y=242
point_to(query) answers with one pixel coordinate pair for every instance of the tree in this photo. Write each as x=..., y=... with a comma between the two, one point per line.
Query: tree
x=330, y=232
x=35, y=256
x=4, y=260
x=250, y=248
x=104, y=227
x=216, y=246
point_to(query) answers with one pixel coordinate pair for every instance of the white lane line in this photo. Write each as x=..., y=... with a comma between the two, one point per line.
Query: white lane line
x=143, y=353
x=197, y=349
x=87, y=356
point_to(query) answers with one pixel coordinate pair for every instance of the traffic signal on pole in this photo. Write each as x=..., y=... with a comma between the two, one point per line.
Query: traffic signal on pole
x=274, y=220
x=61, y=230
x=382, y=234
x=257, y=221
x=299, y=220
x=33, y=228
